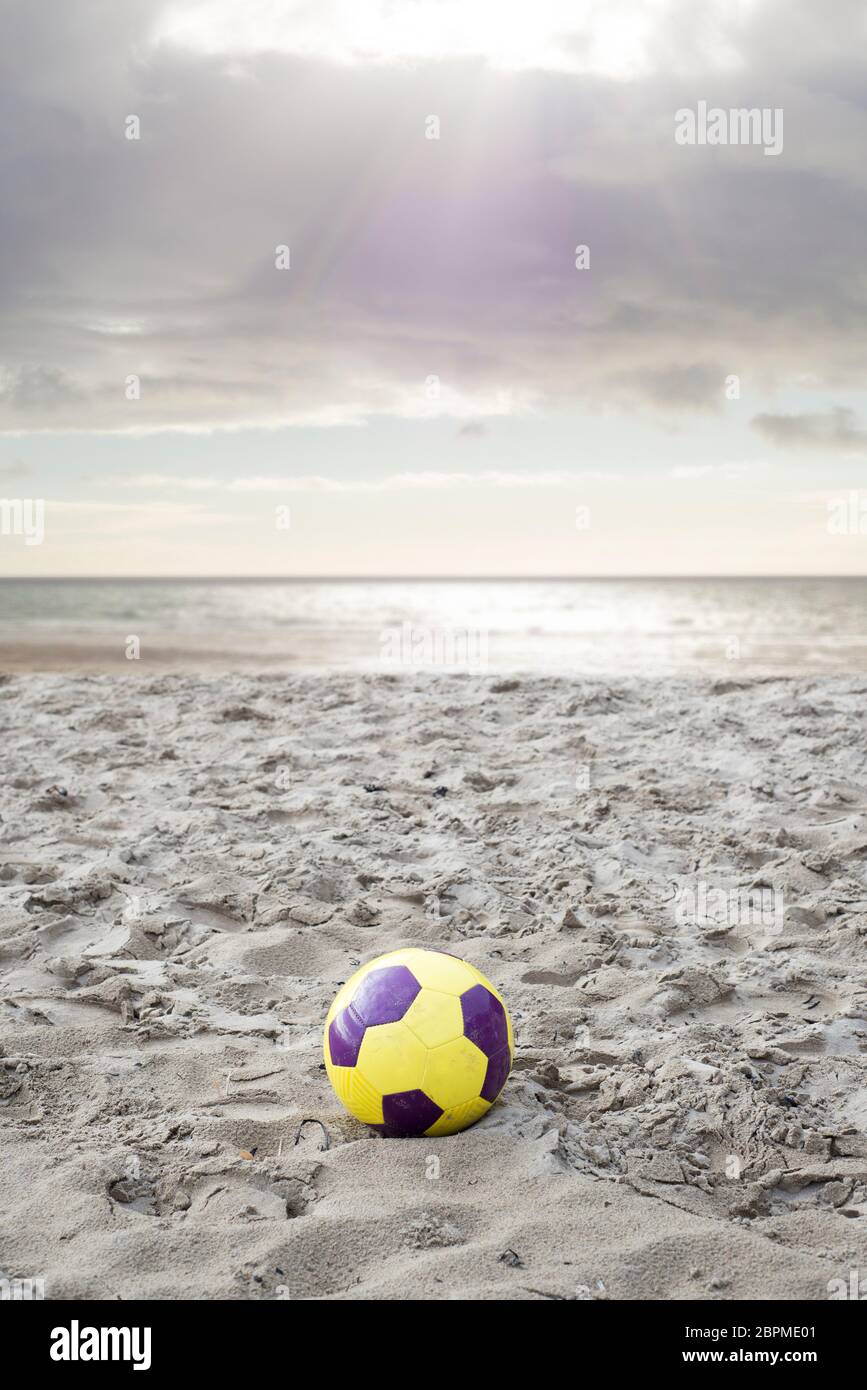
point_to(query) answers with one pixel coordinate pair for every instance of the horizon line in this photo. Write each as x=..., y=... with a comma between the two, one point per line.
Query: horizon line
x=402, y=578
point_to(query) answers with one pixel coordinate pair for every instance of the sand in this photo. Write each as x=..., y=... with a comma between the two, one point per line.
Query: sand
x=191, y=866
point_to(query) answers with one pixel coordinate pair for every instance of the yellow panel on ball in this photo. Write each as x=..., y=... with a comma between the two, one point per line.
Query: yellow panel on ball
x=364, y=1101
x=391, y=1058
x=436, y=970
x=455, y=1073
x=359, y=1097
x=435, y=1017
x=459, y=1117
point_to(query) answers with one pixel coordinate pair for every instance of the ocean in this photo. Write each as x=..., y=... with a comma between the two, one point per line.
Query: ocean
x=595, y=627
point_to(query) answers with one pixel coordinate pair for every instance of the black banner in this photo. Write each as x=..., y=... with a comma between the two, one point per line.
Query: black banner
x=255, y=1338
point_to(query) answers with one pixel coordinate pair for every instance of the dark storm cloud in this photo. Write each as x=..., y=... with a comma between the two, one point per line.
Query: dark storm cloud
x=413, y=258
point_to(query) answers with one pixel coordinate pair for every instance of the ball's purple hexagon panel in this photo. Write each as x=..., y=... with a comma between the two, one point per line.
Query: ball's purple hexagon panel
x=484, y=1020
x=408, y=1113
x=384, y=995
x=345, y=1033
x=499, y=1067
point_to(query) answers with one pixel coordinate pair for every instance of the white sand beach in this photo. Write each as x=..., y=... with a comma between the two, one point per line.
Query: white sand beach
x=192, y=865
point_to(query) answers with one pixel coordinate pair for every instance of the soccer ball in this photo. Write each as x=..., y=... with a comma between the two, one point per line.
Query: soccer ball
x=418, y=1042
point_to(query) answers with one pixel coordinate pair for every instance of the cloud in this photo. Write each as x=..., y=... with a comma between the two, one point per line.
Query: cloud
x=428, y=481
x=168, y=482
x=427, y=277
x=560, y=35
x=100, y=519
x=27, y=389
x=835, y=430
x=727, y=471
x=16, y=468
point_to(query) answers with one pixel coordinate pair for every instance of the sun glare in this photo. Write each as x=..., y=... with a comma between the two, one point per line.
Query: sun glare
x=610, y=38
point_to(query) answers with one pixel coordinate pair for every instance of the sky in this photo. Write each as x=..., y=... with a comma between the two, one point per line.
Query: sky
x=295, y=289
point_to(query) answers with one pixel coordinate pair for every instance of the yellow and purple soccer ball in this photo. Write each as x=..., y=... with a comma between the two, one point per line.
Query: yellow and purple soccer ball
x=418, y=1042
